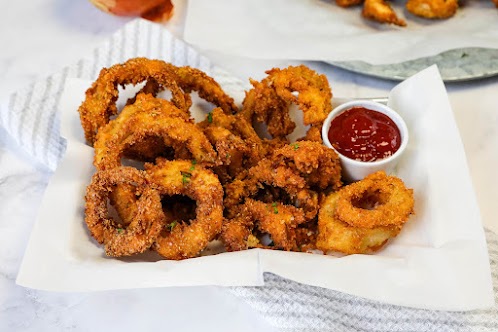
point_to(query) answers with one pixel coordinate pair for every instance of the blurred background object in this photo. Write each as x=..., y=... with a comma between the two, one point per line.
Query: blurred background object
x=153, y=10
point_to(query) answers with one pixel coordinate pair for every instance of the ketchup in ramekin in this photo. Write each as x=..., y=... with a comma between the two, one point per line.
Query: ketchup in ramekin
x=362, y=134
x=368, y=137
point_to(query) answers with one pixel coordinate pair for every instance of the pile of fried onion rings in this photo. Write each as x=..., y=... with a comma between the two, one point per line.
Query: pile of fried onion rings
x=219, y=179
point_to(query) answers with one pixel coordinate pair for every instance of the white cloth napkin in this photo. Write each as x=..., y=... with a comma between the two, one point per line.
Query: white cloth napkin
x=321, y=30
x=31, y=119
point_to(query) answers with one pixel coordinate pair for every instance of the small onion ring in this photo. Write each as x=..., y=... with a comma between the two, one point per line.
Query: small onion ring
x=389, y=202
x=146, y=225
x=336, y=235
x=181, y=177
x=319, y=165
x=278, y=220
x=269, y=100
x=248, y=184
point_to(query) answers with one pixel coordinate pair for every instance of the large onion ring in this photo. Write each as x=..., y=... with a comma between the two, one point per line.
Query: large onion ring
x=138, y=123
x=146, y=225
x=151, y=147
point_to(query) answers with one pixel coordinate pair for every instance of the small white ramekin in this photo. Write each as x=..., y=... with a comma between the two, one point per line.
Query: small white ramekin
x=354, y=170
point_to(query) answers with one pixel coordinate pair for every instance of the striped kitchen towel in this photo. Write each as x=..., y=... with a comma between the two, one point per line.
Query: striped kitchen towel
x=294, y=307
x=32, y=119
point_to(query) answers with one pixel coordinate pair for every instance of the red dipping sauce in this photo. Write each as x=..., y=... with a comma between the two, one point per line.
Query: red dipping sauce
x=365, y=135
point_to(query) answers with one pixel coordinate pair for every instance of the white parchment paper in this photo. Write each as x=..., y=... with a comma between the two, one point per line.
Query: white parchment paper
x=321, y=30
x=439, y=261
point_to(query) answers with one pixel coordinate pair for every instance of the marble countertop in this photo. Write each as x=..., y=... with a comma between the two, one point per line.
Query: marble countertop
x=40, y=37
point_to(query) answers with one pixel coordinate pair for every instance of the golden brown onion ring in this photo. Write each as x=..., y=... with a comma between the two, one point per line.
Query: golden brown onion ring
x=135, y=124
x=151, y=147
x=146, y=225
x=247, y=185
x=180, y=240
x=269, y=100
x=377, y=200
x=100, y=101
x=336, y=235
x=278, y=220
x=319, y=165
x=192, y=79
x=254, y=218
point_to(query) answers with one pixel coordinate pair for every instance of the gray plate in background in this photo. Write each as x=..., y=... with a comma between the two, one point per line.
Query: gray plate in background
x=455, y=65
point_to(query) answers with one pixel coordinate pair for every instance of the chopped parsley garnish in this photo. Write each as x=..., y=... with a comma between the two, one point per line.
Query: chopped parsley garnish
x=172, y=225
x=120, y=230
x=210, y=117
x=186, y=177
x=296, y=146
x=274, y=205
x=194, y=162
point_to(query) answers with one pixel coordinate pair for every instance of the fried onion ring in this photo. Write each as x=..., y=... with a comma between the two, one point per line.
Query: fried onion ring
x=237, y=144
x=269, y=100
x=377, y=200
x=100, y=101
x=319, y=165
x=147, y=222
x=276, y=209
x=248, y=185
x=192, y=79
x=278, y=220
x=151, y=147
x=336, y=235
x=180, y=240
x=138, y=123
x=232, y=151
x=149, y=127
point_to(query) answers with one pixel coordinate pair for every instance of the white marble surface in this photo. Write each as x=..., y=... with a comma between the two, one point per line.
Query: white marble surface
x=38, y=38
